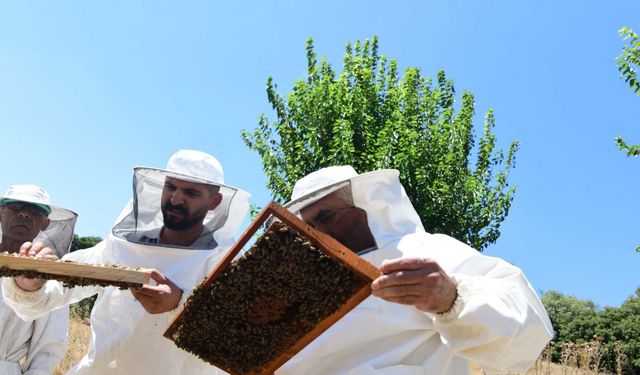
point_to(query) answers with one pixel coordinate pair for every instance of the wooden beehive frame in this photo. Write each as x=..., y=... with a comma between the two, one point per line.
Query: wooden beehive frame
x=67, y=270
x=323, y=242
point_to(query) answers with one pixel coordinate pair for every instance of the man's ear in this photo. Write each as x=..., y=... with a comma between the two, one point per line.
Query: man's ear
x=45, y=224
x=215, y=201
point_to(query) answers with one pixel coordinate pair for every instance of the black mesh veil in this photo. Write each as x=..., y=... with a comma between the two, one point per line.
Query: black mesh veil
x=142, y=220
x=59, y=233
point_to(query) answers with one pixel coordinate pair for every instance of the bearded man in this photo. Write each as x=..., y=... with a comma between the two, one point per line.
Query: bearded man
x=180, y=222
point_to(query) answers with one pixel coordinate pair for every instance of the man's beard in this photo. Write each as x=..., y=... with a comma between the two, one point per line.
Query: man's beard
x=188, y=221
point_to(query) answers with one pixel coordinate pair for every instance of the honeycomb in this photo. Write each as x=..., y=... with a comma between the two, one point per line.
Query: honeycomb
x=264, y=302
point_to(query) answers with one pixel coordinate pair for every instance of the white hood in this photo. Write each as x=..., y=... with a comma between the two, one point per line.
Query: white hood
x=59, y=233
x=390, y=214
x=142, y=216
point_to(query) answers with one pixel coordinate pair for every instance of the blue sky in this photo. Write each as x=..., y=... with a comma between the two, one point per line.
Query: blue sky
x=90, y=89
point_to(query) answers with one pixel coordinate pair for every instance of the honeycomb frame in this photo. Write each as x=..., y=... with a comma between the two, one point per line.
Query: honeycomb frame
x=231, y=335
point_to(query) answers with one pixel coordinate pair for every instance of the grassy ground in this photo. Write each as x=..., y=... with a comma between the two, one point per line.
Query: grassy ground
x=80, y=334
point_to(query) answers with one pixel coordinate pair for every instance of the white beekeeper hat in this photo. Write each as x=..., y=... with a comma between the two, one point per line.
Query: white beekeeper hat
x=319, y=184
x=59, y=233
x=389, y=212
x=197, y=166
x=145, y=215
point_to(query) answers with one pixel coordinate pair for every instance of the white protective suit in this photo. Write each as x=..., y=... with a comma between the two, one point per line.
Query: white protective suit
x=497, y=320
x=40, y=342
x=125, y=338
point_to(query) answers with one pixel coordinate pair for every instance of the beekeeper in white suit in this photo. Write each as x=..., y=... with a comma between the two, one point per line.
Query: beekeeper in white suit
x=180, y=223
x=35, y=346
x=439, y=304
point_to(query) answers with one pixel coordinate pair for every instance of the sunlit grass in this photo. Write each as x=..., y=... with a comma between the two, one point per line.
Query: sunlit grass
x=583, y=359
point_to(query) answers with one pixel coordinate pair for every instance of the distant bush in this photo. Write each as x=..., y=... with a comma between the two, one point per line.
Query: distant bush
x=581, y=323
x=83, y=242
x=82, y=310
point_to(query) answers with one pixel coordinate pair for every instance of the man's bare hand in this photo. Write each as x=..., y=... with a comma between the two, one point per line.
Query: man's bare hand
x=160, y=298
x=416, y=281
x=37, y=250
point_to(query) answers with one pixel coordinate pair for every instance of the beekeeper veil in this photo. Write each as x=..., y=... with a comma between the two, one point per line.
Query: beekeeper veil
x=34, y=200
x=379, y=193
x=142, y=221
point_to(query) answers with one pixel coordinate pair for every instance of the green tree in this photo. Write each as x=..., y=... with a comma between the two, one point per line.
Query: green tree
x=622, y=325
x=628, y=64
x=370, y=117
x=579, y=321
x=573, y=320
x=83, y=242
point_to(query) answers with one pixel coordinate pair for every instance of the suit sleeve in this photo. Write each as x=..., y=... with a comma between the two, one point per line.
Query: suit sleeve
x=30, y=305
x=498, y=320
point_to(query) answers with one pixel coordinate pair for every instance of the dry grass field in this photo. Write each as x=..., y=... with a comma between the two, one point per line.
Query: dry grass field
x=80, y=334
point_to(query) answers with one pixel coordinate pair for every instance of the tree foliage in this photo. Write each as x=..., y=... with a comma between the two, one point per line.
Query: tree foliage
x=83, y=242
x=579, y=321
x=629, y=60
x=573, y=320
x=371, y=117
x=628, y=65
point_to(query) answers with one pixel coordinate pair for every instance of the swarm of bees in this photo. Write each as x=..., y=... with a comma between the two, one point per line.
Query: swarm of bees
x=68, y=281
x=264, y=302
